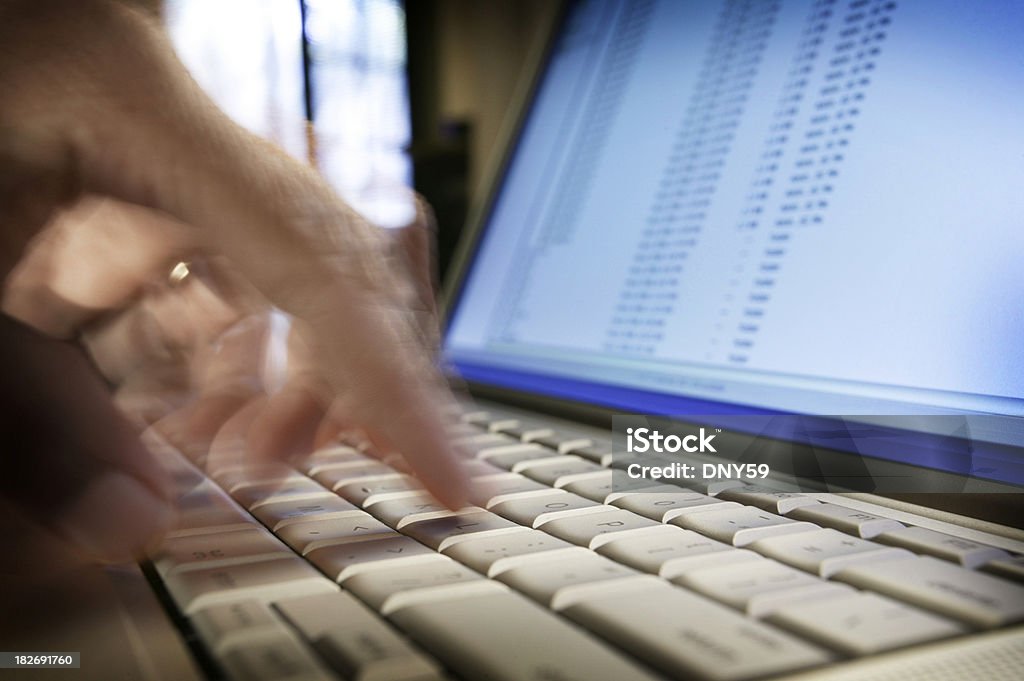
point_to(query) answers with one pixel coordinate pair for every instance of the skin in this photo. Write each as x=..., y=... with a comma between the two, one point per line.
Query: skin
x=106, y=147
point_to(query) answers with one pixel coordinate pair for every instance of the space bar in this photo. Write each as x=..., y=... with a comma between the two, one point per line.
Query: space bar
x=691, y=637
x=504, y=637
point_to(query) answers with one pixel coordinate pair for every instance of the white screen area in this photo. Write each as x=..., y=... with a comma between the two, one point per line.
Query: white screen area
x=808, y=205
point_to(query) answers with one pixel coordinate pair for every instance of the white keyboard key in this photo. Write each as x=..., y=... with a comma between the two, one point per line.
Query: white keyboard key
x=758, y=587
x=550, y=471
x=970, y=554
x=495, y=423
x=863, y=623
x=531, y=510
x=416, y=505
x=315, y=616
x=658, y=552
x=221, y=548
x=237, y=476
x=689, y=636
x=278, y=658
x=375, y=587
x=354, y=641
x=563, y=441
x=666, y=502
x=460, y=430
x=601, y=486
x=740, y=526
x=599, y=452
x=376, y=488
x=767, y=498
x=341, y=561
x=491, y=554
x=764, y=604
x=265, y=580
x=849, y=520
x=684, y=566
x=312, y=534
x=474, y=444
x=549, y=581
x=332, y=455
x=979, y=599
x=278, y=514
x=334, y=476
x=227, y=623
x=502, y=425
x=203, y=495
x=1008, y=568
x=440, y=533
x=477, y=417
x=505, y=637
x=475, y=468
x=593, y=529
x=254, y=496
x=488, y=490
x=622, y=461
x=523, y=429
x=713, y=486
x=825, y=552
x=206, y=508
x=508, y=457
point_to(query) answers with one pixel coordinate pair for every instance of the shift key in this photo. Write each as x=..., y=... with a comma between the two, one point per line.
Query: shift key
x=976, y=598
x=691, y=637
x=354, y=640
x=504, y=637
x=266, y=580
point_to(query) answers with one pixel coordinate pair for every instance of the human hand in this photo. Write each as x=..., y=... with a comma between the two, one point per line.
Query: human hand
x=131, y=125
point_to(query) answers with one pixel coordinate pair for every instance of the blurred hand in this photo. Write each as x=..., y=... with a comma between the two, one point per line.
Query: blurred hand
x=96, y=105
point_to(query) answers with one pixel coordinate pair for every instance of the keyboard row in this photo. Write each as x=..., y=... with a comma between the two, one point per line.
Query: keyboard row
x=747, y=583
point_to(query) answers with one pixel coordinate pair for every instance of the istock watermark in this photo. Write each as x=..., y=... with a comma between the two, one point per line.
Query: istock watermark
x=643, y=440
x=813, y=453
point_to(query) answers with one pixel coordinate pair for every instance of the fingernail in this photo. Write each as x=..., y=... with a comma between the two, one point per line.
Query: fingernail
x=116, y=519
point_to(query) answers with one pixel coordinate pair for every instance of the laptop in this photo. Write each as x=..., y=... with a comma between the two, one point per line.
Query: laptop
x=737, y=329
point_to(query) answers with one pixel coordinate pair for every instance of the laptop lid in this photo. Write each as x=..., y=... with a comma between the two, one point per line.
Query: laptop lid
x=751, y=208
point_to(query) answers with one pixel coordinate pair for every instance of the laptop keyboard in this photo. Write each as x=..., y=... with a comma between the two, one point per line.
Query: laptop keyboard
x=563, y=569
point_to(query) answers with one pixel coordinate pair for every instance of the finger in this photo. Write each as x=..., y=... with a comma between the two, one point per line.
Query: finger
x=414, y=248
x=95, y=256
x=169, y=148
x=288, y=426
x=415, y=427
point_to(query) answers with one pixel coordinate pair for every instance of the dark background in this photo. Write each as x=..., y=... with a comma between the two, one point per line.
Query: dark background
x=466, y=58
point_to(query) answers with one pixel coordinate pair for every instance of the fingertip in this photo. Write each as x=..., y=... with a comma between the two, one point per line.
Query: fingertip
x=414, y=423
x=439, y=468
x=452, y=491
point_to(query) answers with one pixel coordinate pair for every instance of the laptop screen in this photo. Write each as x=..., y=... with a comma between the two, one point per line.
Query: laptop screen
x=800, y=206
